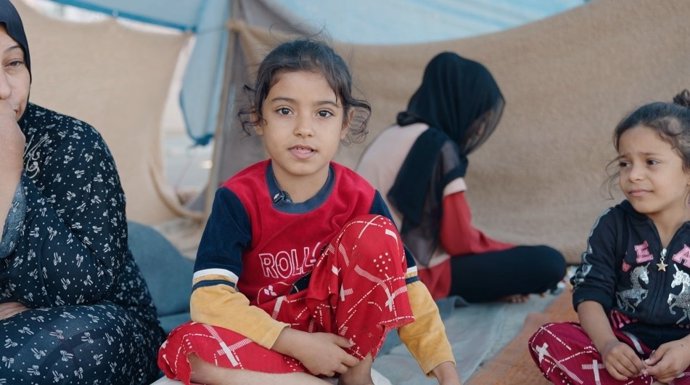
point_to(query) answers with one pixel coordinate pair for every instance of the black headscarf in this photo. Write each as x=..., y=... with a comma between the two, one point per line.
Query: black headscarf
x=459, y=97
x=460, y=101
x=10, y=19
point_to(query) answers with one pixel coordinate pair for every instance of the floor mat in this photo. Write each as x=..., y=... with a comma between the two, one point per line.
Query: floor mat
x=476, y=332
x=513, y=364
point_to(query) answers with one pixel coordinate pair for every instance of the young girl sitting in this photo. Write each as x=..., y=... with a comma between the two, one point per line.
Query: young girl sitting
x=632, y=290
x=300, y=271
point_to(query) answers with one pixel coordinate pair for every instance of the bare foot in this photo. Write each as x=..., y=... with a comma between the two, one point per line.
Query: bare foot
x=515, y=298
x=359, y=374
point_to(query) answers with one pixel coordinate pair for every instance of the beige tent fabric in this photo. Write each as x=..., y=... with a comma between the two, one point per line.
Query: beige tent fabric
x=567, y=81
x=116, y=79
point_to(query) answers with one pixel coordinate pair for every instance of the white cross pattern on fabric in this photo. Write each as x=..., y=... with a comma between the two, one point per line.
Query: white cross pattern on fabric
x=542, y=351
x=595, y=368
x=389, y=301
x=344, y=292
x=228, y=350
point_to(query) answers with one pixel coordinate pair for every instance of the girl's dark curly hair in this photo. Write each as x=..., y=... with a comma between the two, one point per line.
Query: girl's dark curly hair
x=307, y=55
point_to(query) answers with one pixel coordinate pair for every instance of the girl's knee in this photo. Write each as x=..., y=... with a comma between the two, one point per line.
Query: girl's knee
x=371, y=234
x=538, y=337
x=373, y=243
x=550, y=262
x=370, y=223
x=555, y=334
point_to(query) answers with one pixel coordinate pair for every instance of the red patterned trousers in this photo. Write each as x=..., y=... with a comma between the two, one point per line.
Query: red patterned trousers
x=566, y=355
x=357, y=290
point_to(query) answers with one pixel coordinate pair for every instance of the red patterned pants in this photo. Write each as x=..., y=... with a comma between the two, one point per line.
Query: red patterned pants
x=357, y=290
x=566, y=355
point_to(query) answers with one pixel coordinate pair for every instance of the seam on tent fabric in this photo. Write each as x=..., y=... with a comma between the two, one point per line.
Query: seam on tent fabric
x=127, y=15
x=200, y=12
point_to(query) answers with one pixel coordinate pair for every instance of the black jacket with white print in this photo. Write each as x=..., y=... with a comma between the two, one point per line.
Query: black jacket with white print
x=628, y=271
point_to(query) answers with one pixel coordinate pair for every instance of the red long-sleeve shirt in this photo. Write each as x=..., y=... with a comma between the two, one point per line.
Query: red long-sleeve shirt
x=458, y=235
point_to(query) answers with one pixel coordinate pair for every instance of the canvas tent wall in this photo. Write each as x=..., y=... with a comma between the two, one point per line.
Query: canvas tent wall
x=354, y=21
x=567, y=81
x=116, y=79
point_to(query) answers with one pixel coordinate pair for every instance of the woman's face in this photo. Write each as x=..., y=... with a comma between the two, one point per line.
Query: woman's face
x=15, y=80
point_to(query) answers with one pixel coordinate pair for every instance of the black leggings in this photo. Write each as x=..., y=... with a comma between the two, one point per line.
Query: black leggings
x=494, y=275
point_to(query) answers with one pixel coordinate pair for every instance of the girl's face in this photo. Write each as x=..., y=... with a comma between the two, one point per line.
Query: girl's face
x=14, y=75
x=303, y=124
x=651, y=174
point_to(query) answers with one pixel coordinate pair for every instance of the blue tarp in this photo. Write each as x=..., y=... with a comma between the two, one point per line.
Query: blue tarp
x=353, y=21
x=203, y=78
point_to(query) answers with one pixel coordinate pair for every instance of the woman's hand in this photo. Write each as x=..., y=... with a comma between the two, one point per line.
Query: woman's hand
x=621, y=361
x=9, y=309
x=12, y=139
x=669, y=360
x=11, y=158
x=321, y=353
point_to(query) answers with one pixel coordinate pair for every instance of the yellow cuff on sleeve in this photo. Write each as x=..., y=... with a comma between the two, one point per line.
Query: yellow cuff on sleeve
x=221, y=305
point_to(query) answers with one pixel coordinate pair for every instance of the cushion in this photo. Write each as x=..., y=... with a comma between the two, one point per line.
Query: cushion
x=167, y=272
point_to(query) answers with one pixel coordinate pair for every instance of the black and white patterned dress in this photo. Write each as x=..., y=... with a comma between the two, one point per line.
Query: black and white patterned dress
x=64, y=255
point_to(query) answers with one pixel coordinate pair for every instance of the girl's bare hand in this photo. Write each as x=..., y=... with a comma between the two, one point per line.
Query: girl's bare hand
x=323, y=354
x=621, y=361
x=669, y=360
